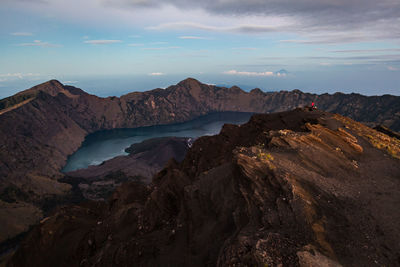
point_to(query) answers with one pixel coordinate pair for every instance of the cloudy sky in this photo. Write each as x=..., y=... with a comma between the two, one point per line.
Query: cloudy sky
x=122, y=45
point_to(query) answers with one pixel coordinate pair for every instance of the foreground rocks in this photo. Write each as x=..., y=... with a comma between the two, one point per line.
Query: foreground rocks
x=299, y=188
x=145, y=159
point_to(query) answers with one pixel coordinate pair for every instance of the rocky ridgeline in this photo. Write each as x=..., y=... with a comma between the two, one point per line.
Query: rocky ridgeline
x=298, y=188
x=41, y=126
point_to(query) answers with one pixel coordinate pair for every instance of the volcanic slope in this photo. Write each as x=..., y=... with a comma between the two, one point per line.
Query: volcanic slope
x=38, y=135
x=145, y=159
x=298, y=188
x=40, y=127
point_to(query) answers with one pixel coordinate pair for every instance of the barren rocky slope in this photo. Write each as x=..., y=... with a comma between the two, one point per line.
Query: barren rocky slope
x=41, y=126
x=298, y=188
x=145, y=159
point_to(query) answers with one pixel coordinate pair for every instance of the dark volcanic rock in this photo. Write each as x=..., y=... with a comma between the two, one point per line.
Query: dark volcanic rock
x=41, y=126
x=144, y=160
x=158, y=151
x=299, y=188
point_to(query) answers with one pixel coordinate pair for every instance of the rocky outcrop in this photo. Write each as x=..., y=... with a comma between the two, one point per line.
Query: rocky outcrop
x=41, y=126
x=387, y=131
x=298, y=188
x=145, y=159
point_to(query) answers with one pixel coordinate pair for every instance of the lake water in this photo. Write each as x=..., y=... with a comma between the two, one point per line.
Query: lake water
x=104, y=145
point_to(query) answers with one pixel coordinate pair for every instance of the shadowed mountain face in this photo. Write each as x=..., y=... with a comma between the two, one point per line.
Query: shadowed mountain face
x=41, y=126
x=298, y=188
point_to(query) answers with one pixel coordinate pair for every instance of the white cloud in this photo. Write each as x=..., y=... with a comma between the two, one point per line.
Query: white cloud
x=367, y=50
x=372, y=17
x=375, y=20
x=19, y=75
x=249, y=73
x=39, y=43
x=22, y=33
x=339, y=38
x=281, y=73
x=156, y=74
x=193, y=38
x=102, y=42
x=69, y=82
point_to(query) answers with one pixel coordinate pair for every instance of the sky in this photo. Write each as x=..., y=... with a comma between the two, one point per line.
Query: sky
x=111, y=47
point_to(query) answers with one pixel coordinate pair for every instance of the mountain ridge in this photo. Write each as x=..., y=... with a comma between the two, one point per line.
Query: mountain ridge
x=297, y=188
x=37, y=137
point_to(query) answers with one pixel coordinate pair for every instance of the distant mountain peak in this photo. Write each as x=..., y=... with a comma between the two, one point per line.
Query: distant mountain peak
x=194, y=87
x=256, y=91
x=282, y=71
x=54, y=82
x=52, y=87
x=189, y=82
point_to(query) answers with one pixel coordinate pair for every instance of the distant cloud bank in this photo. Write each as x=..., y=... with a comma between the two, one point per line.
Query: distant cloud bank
x=40, y=44
x=22, y=33
x=19, y=75
x=280, y=73
x=243, y=28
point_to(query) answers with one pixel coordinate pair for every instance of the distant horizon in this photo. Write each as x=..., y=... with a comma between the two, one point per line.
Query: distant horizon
x=108, y=86
x=314, y=45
